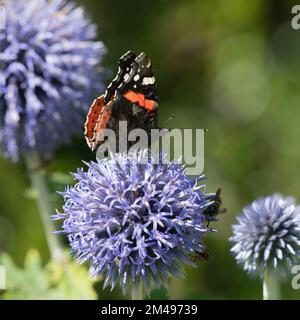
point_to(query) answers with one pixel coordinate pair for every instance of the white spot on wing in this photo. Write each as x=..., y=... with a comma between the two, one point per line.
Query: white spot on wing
x=145, y=81
x=148, y=80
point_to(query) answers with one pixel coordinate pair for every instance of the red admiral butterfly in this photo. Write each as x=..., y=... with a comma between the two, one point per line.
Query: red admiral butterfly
x=131, y=96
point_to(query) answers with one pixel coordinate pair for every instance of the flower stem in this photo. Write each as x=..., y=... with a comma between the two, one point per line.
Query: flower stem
x=37, y=175
x=138, y=292
x=271, y=289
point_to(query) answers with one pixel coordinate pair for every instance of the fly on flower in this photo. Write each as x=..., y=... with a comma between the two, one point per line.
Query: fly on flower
x=199, y=256
x=214, y=209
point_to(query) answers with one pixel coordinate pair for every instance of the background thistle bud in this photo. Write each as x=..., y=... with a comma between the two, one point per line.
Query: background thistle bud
x=48, y=74
x=267, y=235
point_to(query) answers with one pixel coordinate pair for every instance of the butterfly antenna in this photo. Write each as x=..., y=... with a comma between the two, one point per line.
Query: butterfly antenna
x=168, y=120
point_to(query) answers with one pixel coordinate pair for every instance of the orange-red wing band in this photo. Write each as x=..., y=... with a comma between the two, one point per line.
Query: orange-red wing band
x=150, y=104
x=140, y=99
x=131, y=96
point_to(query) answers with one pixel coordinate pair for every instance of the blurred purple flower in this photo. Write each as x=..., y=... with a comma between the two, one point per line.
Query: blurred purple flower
x=48, y=73
x=267, y=235
x=135, y=222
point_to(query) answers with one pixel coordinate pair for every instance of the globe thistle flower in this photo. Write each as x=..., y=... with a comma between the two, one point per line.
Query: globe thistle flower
x=48, y=72
x=267, y=236
x=135, y=223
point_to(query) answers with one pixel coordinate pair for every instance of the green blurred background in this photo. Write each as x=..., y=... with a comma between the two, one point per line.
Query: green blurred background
x=232, y=67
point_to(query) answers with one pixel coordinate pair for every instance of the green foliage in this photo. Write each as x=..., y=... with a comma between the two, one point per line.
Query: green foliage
x=65, y=280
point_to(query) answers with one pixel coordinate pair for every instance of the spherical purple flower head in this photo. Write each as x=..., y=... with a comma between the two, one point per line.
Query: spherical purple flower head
x=48, y=73
x=135, y=222
x=267, y=235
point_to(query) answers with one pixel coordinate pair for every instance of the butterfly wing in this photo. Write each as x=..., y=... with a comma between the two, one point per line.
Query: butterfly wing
x=131, y=96
x=124, y=65
x=92, y=119
x=101, y=126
